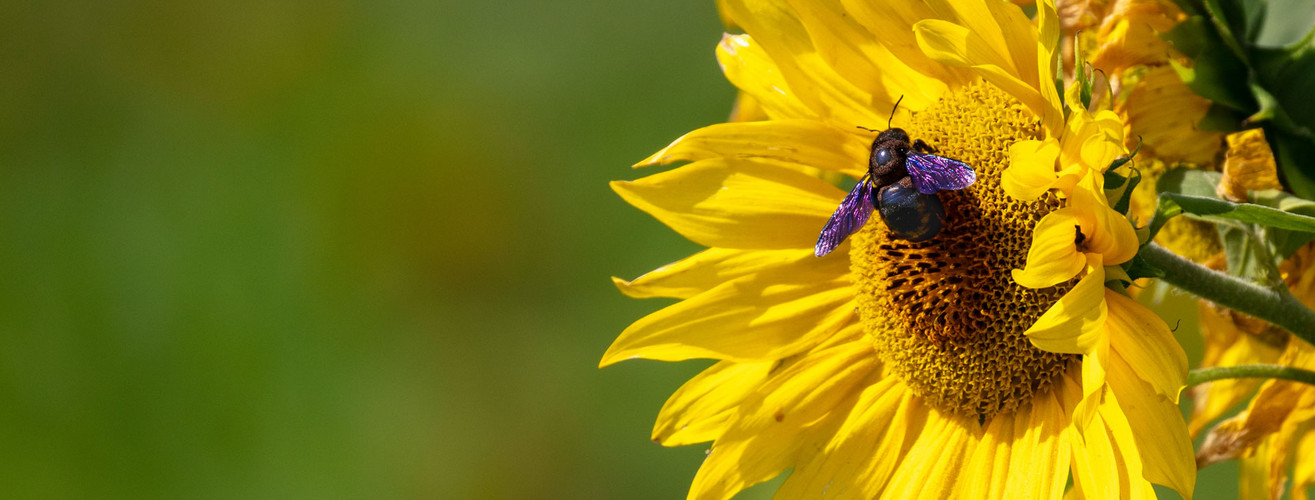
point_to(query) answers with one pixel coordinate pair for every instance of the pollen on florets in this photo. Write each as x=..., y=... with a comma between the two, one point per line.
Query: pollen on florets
x=945, y=313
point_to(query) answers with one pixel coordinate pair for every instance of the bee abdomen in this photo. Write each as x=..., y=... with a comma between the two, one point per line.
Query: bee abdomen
x=911, y=215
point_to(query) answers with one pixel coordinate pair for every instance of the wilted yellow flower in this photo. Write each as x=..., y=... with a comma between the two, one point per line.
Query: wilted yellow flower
x=1248, y=165
x=1275, y=428
x=1157, y=107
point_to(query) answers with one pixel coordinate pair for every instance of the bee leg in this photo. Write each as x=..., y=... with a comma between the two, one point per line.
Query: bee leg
x=923, y=147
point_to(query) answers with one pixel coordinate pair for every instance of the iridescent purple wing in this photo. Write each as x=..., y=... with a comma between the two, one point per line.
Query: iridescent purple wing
x=852, y=213
x=933, y=173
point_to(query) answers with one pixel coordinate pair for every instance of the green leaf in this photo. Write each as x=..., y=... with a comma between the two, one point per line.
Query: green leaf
x=1241, y=254
x=1296, y=161
x=1189, y=181
x=1285, y=77
x=1190, y=7
x=1220, y=118
x=1247, y=17
x=1183, y=181
x=1214, y=210
x=1284, y=243
x=1226, y=23
x=1216, y=73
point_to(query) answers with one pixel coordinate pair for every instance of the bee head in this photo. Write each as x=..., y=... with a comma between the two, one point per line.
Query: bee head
x=891, y=136
x=889, y=151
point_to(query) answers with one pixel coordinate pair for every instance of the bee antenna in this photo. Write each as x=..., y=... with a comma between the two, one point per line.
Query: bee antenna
x=892, y=111
x=867, y=129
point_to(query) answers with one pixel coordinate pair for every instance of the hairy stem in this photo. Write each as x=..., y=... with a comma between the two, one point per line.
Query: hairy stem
x=1276, y=306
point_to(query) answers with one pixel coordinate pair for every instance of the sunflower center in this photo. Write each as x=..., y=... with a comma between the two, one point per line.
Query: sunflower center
x=945, y=313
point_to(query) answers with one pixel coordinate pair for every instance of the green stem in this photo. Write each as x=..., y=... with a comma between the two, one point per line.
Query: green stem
x=1276, y=306
x=1203, y=375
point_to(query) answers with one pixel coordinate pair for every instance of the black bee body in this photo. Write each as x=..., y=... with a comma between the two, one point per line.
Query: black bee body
x=901, y=183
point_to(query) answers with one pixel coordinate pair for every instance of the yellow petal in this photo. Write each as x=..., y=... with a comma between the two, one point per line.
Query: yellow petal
x=1139, y=336
x=1164, y=112
x=1053, y=257
x=1031, y=170
x=744, y=457
x=1281, y=456
x=1105, y=231
x=1130, y=35
x=780, y=424
x=746, y=109
x=847, y=46
x=810, y=388
x=1070, y=150
x=1105, y=461
x=1000, y=44
x=702, y=408
x=1303, y=473
x=1131, y=469
x=1048, y=26
x=1226, y=345
x=736, y=204
x=928, y=470
x=986, y=474
x=1158, y=427
x=887, y=23
x=1253, y=473
x=705, y=270
x=1033, y=57
x=1274, y=405
x=751, y=70
x=1074, y=324
x=762, y=316
x=813, y=81
x=1039, y=462
x=1004, y=29
x=799, y=143
x=853, y=463
x=1094, y=470
x=955, y=45
x=1094, y=364
x=1023, y=455
x=1103, y=141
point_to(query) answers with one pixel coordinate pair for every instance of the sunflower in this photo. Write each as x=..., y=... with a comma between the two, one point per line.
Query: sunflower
x=990, y=361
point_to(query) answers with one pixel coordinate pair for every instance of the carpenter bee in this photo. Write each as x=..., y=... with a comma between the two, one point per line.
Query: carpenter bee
x=901, y=183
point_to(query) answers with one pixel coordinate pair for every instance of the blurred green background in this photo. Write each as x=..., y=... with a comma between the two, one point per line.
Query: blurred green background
x=338, y=249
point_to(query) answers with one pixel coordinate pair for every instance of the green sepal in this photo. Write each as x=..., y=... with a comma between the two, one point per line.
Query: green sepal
x=1138, y=268
x=1125, y=199
x=1119, y=162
